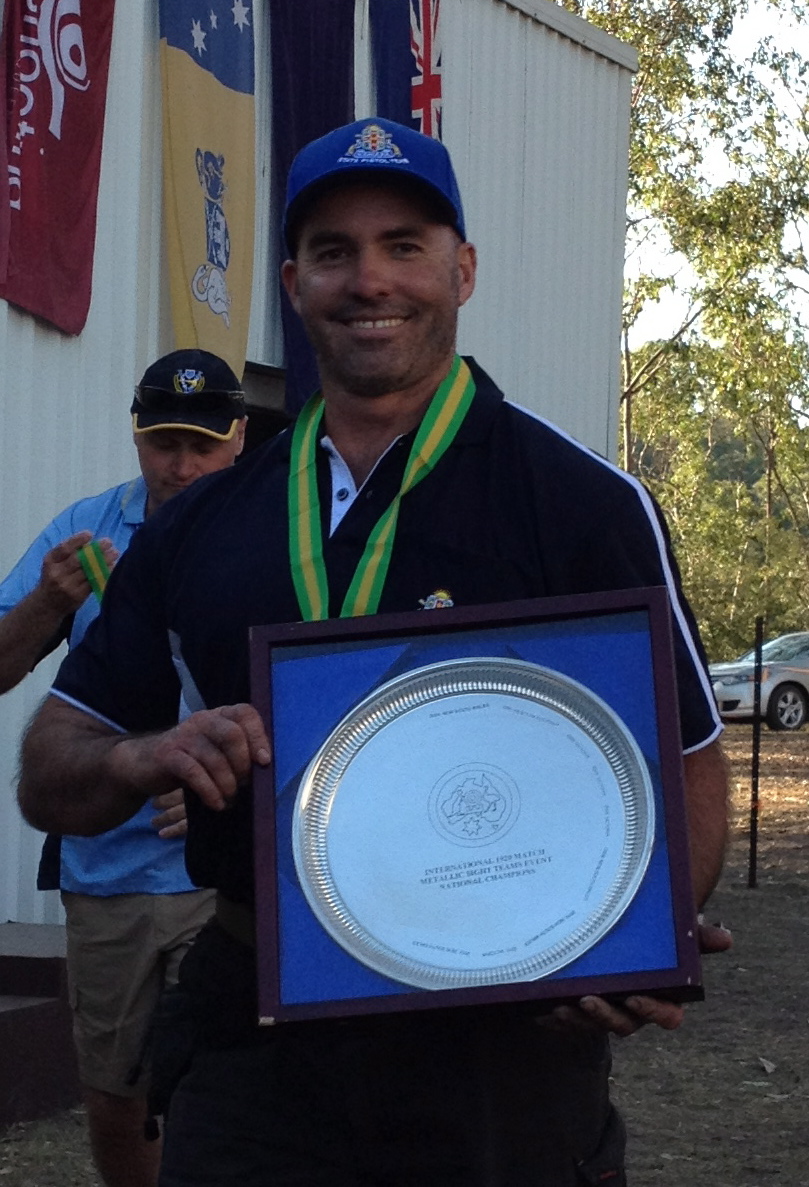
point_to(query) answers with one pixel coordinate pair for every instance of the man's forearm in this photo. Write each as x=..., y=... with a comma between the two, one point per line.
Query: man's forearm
x=24, y=633
x=706, y=786
x=80, y=777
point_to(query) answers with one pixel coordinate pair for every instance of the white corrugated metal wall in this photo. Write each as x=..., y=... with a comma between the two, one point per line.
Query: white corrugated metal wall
x=64, y=425
x=541, y=150
x=536, y=117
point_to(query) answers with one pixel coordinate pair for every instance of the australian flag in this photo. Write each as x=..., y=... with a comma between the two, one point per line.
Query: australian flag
x=405, y=37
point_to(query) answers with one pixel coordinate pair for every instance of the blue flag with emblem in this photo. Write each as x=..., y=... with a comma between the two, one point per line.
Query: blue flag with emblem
x=208, y=68
x=312, y=48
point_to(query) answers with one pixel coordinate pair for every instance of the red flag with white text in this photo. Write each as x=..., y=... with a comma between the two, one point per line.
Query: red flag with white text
x=54, y=73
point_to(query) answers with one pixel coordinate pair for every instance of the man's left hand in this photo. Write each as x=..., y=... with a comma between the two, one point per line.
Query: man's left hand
x=629, y=1016
x=171, y=821
x=713, y=937
x=622, y=1019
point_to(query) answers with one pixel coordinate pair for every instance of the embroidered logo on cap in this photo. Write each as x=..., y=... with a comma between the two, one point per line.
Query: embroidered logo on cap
x=374, y=144
x=189, y=382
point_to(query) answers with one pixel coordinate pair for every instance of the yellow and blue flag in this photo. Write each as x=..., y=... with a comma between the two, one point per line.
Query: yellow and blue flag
x=208, y=65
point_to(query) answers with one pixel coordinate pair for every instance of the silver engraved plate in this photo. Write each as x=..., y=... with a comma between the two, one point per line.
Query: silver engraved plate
x=474, y=822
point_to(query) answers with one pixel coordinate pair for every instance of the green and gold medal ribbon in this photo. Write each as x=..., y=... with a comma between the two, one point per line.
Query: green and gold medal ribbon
x=96, y=569
x=436, y=433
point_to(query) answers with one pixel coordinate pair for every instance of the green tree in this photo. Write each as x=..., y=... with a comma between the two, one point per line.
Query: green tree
x=728, y=464
x=716, y=416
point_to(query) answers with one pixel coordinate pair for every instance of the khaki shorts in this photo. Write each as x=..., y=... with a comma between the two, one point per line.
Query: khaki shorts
x=122, y=952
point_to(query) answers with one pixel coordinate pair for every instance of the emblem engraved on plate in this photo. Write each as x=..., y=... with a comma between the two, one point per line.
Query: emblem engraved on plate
x=473, y=803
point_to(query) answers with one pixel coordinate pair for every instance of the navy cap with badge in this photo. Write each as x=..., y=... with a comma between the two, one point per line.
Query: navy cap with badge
x=373, y=147
x=189, y=389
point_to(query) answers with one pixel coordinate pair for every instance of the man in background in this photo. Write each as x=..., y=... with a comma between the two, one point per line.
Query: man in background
x=131, y=910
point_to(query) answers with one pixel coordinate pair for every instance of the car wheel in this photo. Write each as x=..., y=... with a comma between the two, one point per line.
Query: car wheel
x=786, y=709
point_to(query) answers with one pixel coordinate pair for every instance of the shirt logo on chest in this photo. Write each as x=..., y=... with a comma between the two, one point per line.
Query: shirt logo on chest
x=440, y=600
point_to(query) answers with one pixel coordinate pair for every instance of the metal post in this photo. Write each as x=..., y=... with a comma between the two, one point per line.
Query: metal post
x=751, y=869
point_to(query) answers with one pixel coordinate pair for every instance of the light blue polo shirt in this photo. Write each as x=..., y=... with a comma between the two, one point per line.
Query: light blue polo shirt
x=130, y=859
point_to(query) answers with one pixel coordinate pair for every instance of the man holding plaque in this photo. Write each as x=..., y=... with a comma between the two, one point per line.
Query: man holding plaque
x=410, y=482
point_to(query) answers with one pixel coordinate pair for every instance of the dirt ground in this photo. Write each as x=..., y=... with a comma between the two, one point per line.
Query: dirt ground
x=723, y=1102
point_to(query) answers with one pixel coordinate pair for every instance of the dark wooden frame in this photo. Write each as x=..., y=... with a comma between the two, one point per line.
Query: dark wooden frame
x=681, y=982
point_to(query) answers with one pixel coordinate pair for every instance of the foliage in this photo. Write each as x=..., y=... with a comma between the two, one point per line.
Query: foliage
x=728, y=465
x=716, y=415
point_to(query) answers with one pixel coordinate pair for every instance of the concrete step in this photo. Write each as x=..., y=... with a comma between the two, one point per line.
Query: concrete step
x=38, y=1073
x=32, y=959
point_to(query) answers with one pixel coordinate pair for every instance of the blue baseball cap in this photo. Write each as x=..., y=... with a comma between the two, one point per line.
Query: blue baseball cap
x=373, y=147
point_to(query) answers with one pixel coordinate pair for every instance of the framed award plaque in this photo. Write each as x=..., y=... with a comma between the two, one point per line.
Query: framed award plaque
x=470, y=806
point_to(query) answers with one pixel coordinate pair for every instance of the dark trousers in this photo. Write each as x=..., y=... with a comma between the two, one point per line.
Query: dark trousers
x=454, y=1098
x=426, y=1103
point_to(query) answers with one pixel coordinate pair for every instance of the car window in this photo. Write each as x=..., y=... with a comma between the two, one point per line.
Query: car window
x=786, y=648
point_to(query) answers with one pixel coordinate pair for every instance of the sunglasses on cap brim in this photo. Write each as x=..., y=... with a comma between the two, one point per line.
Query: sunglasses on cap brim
x=155, y=399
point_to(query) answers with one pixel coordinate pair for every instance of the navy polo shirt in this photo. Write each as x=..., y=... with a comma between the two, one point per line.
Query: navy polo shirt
x=514, y=509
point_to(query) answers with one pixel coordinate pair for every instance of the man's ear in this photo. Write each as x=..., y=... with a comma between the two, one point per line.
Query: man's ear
x=467, y=270
x=289, y=279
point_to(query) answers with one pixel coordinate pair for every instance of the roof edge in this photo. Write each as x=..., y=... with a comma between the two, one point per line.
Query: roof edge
x=575, y=28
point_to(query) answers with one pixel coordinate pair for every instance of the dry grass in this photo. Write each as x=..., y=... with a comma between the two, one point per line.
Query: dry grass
x=724, y=1102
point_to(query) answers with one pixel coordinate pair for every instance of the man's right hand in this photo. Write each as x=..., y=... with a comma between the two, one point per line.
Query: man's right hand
x=213, y=751
x=34, y=623
x=81, y=777
x=62, y=582
x=209, y=754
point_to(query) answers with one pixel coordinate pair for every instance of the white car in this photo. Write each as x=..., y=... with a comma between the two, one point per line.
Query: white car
x=784, y=683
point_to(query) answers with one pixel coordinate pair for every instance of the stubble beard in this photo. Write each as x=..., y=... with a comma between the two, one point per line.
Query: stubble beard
x=376, y=373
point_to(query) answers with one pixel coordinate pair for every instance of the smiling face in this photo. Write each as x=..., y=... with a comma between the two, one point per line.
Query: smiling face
x=378, y=283
x=171, y=459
